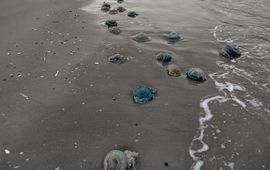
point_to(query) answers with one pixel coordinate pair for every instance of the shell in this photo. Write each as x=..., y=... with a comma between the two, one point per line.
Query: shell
x=173, y=70
x=115, y=160
x=196, y=74
x=141, y=37
x=143, y=94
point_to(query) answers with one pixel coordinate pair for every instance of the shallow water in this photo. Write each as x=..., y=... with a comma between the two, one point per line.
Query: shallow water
x=242, y=86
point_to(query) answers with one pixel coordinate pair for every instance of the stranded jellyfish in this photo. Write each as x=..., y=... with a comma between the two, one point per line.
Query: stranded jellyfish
x=164, y=57
x=132, y=14
x=120, y=1
x=111, y=23
x=105, y=7
x=114, y=30
x=143, y=94
x=196, y=74
x=141, y=37
x=173, y=37
x=117, y=58
x=230, y=52
x=121, y=9
x=173, y=70
x=113, y=12
x=118, y=160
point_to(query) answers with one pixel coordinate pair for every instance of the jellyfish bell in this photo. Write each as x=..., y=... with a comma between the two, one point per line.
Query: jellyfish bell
x=113, y=12
x=132, y=14
x=111, y=23
x=141, y=37
x=196, y=74
x=173, y=37
x=115, y=160
x=120, y=1
x=105, y=7
x=115, y=30
x=173, y=70
x=230, y=52
x=143, y=94
x=117, y=58
x=121, y=9
x=164, y=57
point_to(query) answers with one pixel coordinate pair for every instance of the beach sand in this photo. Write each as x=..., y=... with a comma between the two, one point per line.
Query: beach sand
x=63, y=105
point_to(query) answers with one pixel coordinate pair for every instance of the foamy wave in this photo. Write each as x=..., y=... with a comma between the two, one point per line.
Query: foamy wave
x=216, y=31
x=228, y=90
x=198, y=162
x=244, y=81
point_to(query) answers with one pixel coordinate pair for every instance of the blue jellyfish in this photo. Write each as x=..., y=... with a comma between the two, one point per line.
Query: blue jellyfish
x=105, y=7
x=230, y=52
x=111, y=23
x=115, y=30
x=196, y=74
x=173, y=37
x=143, y=94
x=141, y=37
x=115, y=160
x=120, y=1
x=121, y=9
x=113, y=12
x=164, y=57
x=132, y=14
x=117, y=58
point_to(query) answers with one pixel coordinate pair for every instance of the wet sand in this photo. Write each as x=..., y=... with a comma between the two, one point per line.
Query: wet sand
x=58, y=108
x=63, y=105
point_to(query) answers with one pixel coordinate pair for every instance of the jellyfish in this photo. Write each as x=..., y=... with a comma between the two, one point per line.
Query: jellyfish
x=196, y=74
x=143, y=94
x=173, y=70
x=141, y=37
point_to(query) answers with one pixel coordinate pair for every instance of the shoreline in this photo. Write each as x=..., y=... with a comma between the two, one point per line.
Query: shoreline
x=64, y=106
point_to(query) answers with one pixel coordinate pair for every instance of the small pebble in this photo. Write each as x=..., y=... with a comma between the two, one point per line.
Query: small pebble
x=7, y=151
